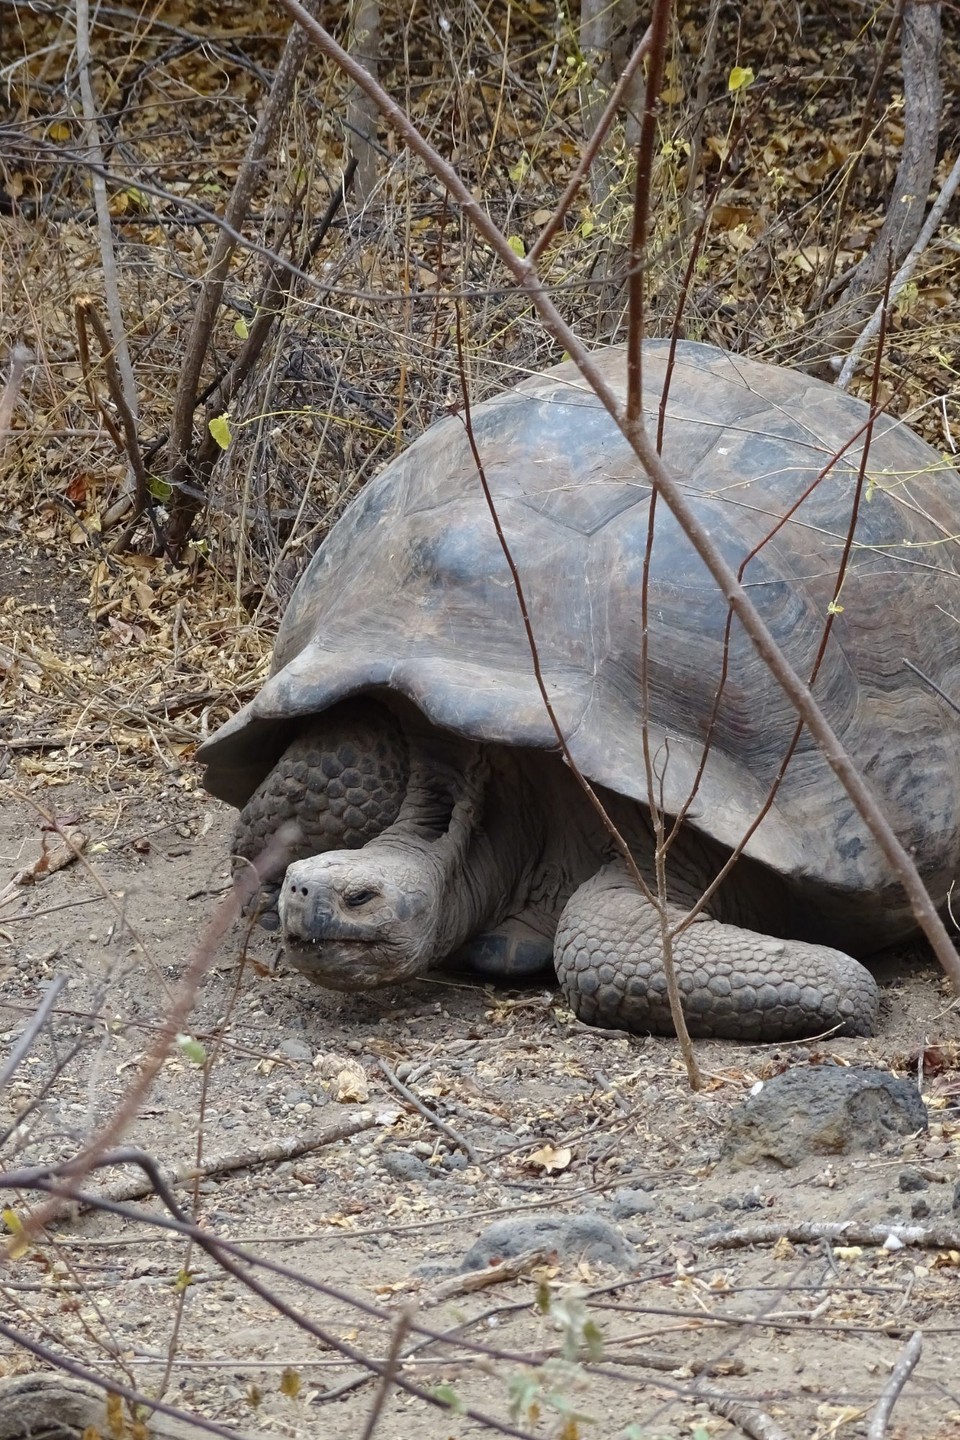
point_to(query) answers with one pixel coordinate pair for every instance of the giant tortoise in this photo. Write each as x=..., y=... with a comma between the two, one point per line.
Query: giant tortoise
x=402, y=726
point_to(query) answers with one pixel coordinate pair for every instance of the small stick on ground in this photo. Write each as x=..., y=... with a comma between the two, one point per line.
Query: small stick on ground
x=474, y=1280
x=428, y=1114
x=752, y=1421
x=891, y=1391
x=271, y=1153
x=71, y=843
x=846, y=1232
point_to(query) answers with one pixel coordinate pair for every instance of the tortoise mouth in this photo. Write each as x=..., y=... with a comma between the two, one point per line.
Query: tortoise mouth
x=347, y=965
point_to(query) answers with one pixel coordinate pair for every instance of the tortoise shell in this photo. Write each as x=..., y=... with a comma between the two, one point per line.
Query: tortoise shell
x=410, y=593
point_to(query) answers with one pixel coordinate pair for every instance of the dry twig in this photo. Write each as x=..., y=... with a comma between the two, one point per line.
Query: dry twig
x=937, y=211
x=899, y=1376
x=751, y=1420
x=847, y=1232
x=429, y=1114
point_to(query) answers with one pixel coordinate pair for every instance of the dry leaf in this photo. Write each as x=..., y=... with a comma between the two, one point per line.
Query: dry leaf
x=549, y=1159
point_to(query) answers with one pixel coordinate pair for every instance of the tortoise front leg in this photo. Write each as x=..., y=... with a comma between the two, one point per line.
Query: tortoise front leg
x=340, y=783
x=734, y=983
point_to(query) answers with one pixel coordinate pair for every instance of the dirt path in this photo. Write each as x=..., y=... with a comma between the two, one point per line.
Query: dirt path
x=545, y=1117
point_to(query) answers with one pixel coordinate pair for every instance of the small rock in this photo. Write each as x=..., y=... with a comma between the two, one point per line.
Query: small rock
x=698, y=1211
x=627, y=1203
x=402, y=1165
x=955, y=1203
x=822, y=1110
x=920, y=1209
x=454, y=1161
x=911, y=1179
x=588, y=1236
x=295, y=1049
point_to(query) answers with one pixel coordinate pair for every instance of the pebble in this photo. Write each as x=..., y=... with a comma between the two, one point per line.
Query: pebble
x=402, y=1165
x=627, y=1203
x=295, y=1049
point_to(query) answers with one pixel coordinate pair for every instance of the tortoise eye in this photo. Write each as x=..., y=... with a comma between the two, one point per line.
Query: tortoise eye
x=356, y=898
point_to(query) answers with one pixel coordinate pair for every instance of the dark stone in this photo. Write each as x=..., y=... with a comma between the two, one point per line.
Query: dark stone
x=403, y=1166
x=573, y=1237
x=920, y=1209
x=911, y=1179
x=627, y=1203
x=822, y=1110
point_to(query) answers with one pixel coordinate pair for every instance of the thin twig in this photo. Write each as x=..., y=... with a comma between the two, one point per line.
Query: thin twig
x=589, y=152
x=87, y=313
x=20, y=357
x=250, y=176
x=751, y=1420
x=847, y=1232
x=108, y=259
x=225, y=914
x=36, y=1024
x=891, y=1391
x=634, y=415
x=429, y=1114
x=390, y=1369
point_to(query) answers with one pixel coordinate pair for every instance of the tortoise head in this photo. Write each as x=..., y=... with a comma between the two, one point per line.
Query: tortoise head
x=356, y=919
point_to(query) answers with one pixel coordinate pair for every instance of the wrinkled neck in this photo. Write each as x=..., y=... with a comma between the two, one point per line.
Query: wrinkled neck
x=460, y=815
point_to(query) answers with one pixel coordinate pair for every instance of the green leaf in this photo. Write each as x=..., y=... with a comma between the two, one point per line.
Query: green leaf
x=448, y=1396
x=517, y=245
x=739, y=78
x=191, y=1049
x=159, y=489
x=220, y=430
x=240, y=328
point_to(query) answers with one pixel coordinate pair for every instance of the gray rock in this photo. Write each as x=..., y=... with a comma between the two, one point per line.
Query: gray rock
x=822, y=1110
x=911, y=1179
x=403, y=1165
x=295, y=1049
x=695, y=1210
x=573, y=1237
x=627, y=1203
x=955, y=1203
x=920, y=1209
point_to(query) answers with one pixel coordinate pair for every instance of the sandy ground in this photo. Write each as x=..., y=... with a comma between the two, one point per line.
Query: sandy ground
x=539, y=1115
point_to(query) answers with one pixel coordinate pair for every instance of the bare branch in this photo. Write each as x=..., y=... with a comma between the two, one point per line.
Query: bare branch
x=108, y=257
x=937, y=211
x=361, y=111
x=901, y=1373
x=250, y=176
x=20, y=358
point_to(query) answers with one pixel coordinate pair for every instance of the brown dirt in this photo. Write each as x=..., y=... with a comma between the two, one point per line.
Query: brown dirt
x=807, y=1332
